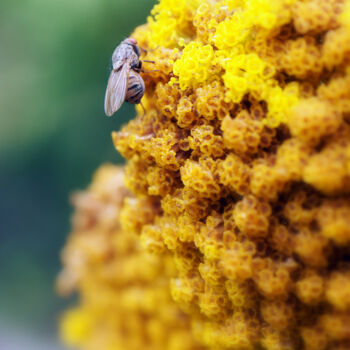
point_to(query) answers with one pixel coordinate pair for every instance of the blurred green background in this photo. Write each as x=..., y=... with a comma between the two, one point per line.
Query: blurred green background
x=54, y=58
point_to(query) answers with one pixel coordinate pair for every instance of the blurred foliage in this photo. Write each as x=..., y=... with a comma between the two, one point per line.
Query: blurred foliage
x=53, y=134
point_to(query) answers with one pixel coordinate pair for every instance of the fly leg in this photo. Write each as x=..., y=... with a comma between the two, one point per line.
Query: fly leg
x=148, y=61
x=149, y=71
x=144, y=110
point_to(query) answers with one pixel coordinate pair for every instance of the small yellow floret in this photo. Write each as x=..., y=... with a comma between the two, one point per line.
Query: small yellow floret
x=193, y=68
x=76, y=327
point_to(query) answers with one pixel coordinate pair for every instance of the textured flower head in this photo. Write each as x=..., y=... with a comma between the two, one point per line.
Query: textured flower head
x=239, y=176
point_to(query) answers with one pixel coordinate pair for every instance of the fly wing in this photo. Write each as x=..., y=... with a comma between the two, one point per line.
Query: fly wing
x=116, y=90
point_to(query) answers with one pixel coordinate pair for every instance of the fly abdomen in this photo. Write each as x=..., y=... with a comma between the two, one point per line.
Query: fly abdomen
x=135, y=88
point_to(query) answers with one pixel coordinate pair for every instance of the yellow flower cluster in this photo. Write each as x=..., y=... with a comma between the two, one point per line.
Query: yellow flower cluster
x=125, y=301
x=240, y=177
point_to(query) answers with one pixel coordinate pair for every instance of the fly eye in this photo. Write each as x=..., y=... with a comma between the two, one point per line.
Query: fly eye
x=132, y=41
